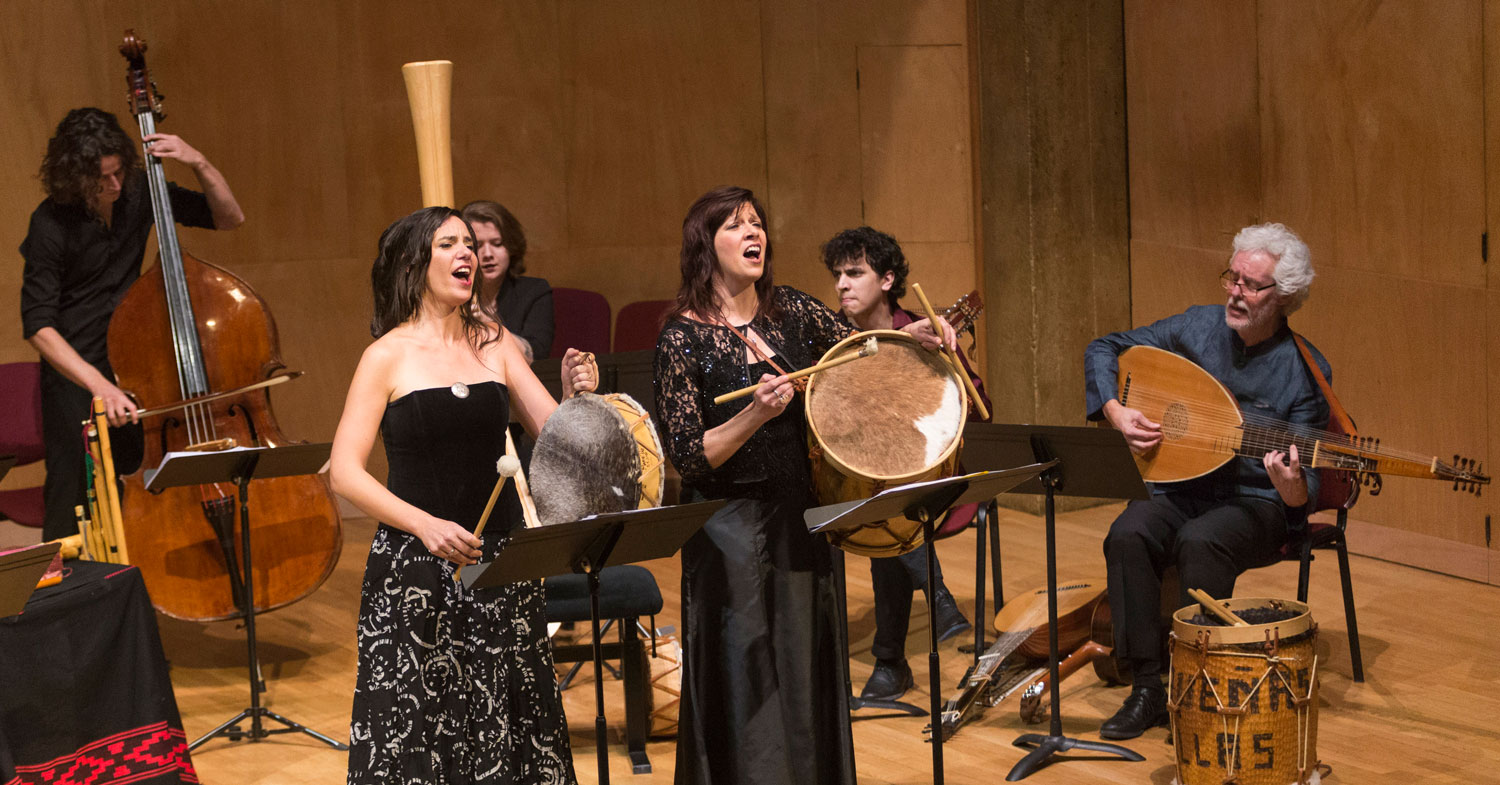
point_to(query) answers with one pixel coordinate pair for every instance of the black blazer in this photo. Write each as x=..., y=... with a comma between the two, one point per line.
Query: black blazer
x=525, y=308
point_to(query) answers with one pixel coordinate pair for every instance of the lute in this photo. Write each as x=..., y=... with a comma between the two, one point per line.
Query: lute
x=1203, y=428
x=1010, y=662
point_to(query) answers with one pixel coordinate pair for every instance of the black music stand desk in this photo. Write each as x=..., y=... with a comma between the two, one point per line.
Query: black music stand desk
x=19, y=572
x=1086, y=461
x=926, y=503
x=240, y=465
x=587, y=546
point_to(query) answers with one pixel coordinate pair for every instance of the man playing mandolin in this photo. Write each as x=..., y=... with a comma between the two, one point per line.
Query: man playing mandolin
x=1215, y=526
x=869, y=275
x=83, y=250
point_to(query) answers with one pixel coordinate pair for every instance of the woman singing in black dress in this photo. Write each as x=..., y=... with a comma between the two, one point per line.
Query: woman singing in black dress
x=453, y=686
x=764, y=696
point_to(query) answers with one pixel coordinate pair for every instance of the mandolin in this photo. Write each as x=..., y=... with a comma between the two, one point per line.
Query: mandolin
x=962, y=314
x=1009, y=663
x=1203, y=428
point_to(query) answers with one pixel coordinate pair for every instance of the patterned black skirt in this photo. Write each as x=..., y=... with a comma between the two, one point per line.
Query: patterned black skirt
x=452, y=688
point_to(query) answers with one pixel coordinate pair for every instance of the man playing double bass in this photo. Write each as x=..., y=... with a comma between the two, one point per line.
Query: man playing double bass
x=1216, y=526
x=83, y=250
x=869, y=274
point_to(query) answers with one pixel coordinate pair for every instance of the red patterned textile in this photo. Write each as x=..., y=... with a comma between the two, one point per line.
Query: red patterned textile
x=138, y=755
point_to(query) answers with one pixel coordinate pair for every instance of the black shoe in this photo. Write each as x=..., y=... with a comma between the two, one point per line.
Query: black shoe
x=888, y=682
x=950, y=620
x=1145, y=708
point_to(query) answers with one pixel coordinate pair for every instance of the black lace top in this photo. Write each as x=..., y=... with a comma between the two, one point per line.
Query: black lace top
x=696, y=362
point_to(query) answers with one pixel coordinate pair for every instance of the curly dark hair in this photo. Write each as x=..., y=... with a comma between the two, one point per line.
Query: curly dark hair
x=879, y=249
x=399, y=275
x=700, y=262
x=512, y=236
x=70, y=169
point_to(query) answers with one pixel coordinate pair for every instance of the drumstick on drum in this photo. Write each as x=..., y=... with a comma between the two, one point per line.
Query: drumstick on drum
x=870, y=347
x=528, y=507
x=1217, y=608
x=958, y=367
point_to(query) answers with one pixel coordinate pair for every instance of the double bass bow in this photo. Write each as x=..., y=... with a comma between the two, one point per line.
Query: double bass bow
x=185, y=332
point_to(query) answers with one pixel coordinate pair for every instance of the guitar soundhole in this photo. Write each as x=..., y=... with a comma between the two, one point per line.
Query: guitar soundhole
x=1174, y=421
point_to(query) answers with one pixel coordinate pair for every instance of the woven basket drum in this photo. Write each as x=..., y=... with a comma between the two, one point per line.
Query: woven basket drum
x=1244, y=700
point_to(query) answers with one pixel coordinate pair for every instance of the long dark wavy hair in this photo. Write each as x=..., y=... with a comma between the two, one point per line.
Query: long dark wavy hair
x=399, y=276
x=700, y=262
x=70, y=168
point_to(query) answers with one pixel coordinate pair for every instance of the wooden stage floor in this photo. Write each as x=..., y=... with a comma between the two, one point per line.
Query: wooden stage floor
x=1428, y=711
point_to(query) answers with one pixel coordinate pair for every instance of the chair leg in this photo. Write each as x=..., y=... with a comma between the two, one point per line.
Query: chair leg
x=1304, y=571
x=999, y=589
x=1349, y=620
x=981, y=518
x=637, y=709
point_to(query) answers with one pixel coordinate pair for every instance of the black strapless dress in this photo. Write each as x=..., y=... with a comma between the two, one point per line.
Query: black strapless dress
x=452, y=687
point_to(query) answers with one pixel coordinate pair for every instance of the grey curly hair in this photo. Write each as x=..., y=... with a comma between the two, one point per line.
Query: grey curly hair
x=1294, y=271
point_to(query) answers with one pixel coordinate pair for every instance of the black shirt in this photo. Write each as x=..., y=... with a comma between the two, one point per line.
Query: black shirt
x=77, y=269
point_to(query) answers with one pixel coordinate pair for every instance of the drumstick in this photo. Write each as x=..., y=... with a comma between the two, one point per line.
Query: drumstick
x=508, y=467
x=984, y=414
x=870, y=347
x=1216, y=608
x=528, y=507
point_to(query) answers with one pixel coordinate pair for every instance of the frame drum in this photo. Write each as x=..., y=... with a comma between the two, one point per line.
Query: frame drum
x=596, y=454
x=889, y=419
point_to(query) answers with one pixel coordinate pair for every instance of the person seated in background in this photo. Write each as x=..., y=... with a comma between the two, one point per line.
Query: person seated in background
x=522, y=303
x=869, y=273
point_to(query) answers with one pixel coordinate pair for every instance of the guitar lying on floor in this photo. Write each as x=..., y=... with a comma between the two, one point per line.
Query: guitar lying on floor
x=1203, y=428
x=1011, y=662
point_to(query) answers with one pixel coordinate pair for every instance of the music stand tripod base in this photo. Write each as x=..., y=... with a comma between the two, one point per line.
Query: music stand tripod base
x=926, y=503
x=240, y=466
x=1080, y=462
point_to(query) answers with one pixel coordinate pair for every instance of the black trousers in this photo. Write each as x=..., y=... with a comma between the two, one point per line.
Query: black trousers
x=65, y=406
x=895, y=579
x=1210, y=542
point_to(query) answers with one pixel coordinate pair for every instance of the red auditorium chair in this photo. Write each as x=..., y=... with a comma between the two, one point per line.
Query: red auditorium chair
x=21, y=436
x=580, y=320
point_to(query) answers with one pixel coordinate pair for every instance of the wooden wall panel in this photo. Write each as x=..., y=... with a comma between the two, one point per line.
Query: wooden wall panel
x=1372, y=133
x=914, y=141
x=597, y=124
x=1371, y=140
x=667, y=103
x=1399, y=389
x=1194, y=131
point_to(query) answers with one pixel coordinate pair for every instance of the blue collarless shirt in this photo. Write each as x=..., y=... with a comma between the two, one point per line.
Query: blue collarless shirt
x=1269, y=380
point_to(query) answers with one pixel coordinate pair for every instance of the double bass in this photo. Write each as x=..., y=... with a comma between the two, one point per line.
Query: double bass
x=185, y=331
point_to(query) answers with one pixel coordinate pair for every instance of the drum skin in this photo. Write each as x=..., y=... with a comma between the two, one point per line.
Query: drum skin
x=1244, y=700
x=596, y=454
x=892, y=418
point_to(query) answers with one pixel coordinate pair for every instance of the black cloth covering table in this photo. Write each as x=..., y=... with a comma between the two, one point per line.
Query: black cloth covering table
x=84, y=691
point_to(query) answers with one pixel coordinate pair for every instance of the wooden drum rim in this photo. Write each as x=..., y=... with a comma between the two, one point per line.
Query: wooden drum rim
x=1285, y=629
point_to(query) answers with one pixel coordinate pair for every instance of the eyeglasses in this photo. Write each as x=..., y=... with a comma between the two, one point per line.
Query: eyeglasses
x=1230, y=280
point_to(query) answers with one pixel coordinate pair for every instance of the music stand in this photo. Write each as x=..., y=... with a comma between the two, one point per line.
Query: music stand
x=1086, y=461
x=20, y=570
x=240, y=465
x=587, y=546
x=925, y=503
